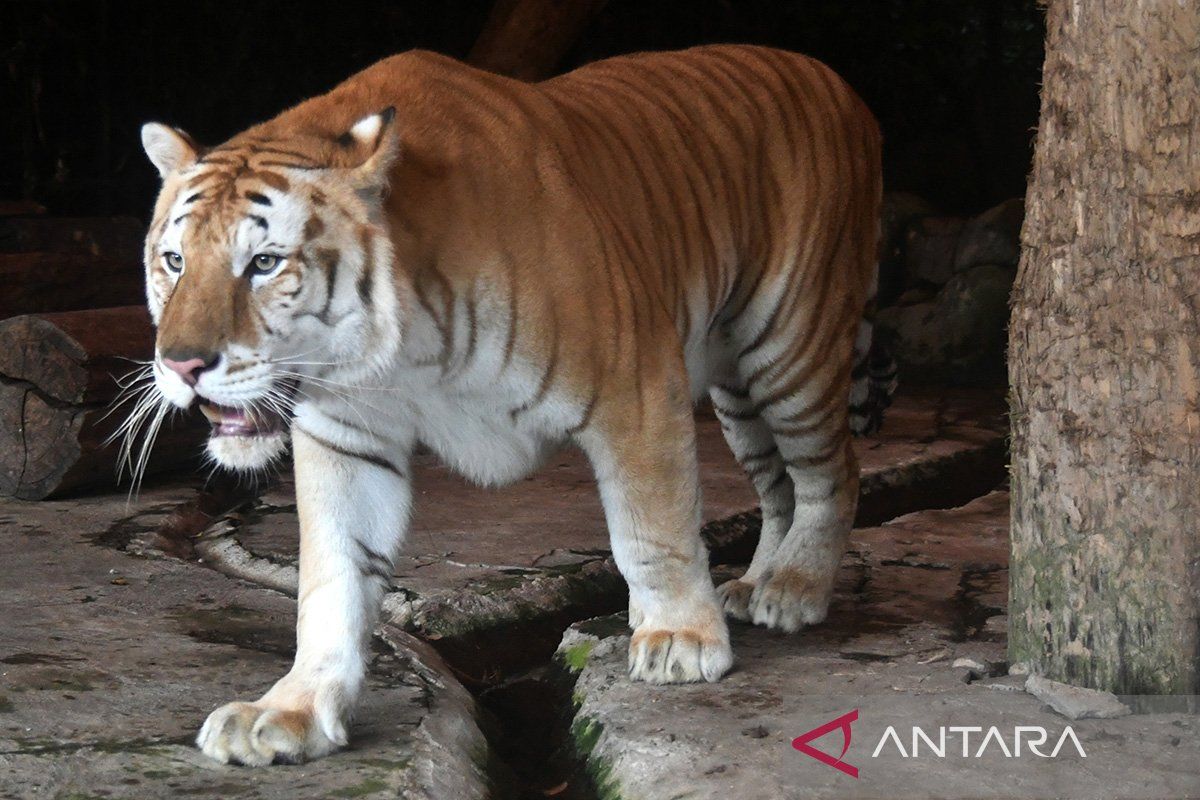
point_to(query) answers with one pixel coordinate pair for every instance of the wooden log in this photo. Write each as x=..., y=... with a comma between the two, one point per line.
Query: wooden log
x=11, y=208
x=37, y=283
x=108, y=237
x=527, y=39
x=58, y=379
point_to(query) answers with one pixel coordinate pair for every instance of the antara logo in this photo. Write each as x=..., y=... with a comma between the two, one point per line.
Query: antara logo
x=801, y=743
x=1033, y=737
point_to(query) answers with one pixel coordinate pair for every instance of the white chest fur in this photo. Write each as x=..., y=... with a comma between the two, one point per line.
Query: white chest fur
x=477, y=434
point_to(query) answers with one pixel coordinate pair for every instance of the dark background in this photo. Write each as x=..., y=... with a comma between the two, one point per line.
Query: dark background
x=954, y=84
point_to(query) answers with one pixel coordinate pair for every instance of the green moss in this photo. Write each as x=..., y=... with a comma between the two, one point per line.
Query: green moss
x=396, y=764
x=576, y=656
x=586, y=733
x=6, y=705
x=369, y=786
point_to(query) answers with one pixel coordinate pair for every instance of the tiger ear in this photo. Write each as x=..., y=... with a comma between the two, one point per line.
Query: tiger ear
x=375, y=136
x=169, y=149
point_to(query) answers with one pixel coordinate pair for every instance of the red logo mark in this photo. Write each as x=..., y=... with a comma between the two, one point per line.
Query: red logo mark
x=801, y=743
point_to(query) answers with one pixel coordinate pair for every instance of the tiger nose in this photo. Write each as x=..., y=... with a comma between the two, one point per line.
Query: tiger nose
x=188, y=368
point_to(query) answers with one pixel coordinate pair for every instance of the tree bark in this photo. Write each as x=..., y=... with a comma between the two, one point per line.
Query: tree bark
x=57, y=384
x=1104, y=356
x=526, y=39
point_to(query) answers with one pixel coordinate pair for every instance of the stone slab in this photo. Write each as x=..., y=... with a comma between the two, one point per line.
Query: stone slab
x=109, y=664
x=914, y=596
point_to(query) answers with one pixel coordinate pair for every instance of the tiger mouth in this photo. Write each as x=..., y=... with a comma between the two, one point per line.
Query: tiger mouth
x=228, y=421
x=250, y=422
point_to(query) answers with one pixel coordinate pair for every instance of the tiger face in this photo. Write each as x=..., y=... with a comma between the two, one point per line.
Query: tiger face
x=261, y=274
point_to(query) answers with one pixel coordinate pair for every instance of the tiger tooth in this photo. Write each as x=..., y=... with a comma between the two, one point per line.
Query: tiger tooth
x=213, y=414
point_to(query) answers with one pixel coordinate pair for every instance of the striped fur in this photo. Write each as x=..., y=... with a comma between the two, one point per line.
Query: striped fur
x=504, y=268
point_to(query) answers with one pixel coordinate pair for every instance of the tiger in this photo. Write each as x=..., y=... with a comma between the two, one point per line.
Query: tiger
x=433, y=256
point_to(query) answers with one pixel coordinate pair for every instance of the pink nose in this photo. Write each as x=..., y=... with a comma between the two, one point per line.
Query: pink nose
x=188, y=370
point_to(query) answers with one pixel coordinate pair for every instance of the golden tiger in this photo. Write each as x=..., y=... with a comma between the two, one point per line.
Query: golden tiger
x=430, y=254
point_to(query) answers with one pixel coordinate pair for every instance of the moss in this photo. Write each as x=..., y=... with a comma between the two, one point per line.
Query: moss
x=369, y=786
x=576, y=656
x=6, y=705
x=586, y=733
x=395, y=764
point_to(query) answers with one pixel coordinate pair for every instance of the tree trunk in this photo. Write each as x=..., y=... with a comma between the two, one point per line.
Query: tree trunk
x=527, y=38
x=1105, y=356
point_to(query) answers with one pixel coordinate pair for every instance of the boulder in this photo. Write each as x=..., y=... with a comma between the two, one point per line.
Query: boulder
x=929, y=249
x=993, y=237
x=1075, y=702
x=957, y=338
x=897, y=213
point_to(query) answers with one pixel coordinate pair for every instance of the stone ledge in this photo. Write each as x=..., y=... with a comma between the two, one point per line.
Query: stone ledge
x=915, y=595
x=109, y=664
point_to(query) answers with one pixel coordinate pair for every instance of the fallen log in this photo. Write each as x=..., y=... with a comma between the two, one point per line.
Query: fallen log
x=59, y=378
x=15, y=208
x=37, y=283
x=108, y=237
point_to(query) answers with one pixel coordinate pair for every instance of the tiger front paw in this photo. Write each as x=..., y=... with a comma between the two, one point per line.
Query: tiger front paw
x=787, y=599
x=681, y=653
x=258, y=734
x=734, y=597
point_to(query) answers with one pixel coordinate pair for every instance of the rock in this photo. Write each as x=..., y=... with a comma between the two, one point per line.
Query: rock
x=917, y=294
x=960, y=337
x=993, y=237
x=868, y=665
x=1075, y=702
x=969, y=663
x=109, y=705
x=1018, y=668
x=1005, y=683
x=929, y=248
x=899, y=210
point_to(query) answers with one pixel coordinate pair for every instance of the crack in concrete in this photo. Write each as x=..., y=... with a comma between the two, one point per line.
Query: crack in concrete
x=103, y=745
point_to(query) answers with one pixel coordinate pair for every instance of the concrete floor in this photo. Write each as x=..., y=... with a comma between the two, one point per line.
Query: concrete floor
x=121, y=629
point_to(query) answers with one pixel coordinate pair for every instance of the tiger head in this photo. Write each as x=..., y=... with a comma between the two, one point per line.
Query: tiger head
x=267, y=267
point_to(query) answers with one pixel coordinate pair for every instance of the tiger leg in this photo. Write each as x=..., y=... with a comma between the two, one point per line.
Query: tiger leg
x=647, y=471
x=353, y=512
x=752, y=443
x=811, y=430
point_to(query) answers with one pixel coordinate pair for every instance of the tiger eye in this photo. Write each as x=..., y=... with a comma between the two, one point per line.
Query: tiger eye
x=264, y=264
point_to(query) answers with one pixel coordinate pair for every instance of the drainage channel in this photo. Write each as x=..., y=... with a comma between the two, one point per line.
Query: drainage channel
x=527, y=719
